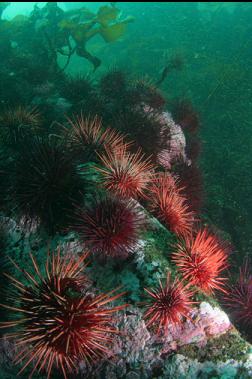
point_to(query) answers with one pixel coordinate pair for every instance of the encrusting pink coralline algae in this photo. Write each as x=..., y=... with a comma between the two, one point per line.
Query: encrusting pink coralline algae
x=176, y=143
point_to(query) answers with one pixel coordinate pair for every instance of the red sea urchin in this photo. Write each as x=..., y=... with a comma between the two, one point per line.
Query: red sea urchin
x=201, y=260
x=110, y=226
x=238, y=298
x=88, y=133
x=19, y=123
x=169, y=206
x=125, y=174
x=169, y=304
x=56, y=323
x=20, y=116
x=45, y=184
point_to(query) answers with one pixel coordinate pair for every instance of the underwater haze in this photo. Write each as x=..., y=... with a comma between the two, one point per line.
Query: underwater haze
x=125, y=190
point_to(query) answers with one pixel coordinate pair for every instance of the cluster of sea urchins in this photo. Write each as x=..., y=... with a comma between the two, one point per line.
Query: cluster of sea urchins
x=59, y=322
x=111, y=227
